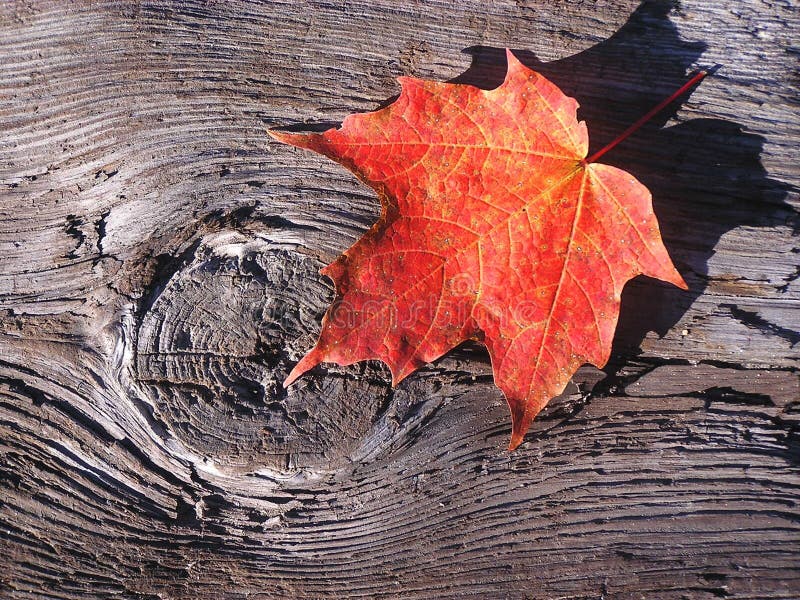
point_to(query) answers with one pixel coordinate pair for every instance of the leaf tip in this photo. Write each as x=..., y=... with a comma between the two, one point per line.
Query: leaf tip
x=399, y=373
x=291, y=378
x=286, y=137
x=676, y=279
x=516, y=440
x=307, y=141
x=405, y=81
x=513, y=62
x=407, y=85
x=522, y=414
x=308, y=362
x=277, y=135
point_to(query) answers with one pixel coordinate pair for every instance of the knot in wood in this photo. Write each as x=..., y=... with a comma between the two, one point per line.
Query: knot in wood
x=216, y=340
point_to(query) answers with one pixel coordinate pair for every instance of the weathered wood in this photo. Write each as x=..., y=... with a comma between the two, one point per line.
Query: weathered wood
x=158, y=278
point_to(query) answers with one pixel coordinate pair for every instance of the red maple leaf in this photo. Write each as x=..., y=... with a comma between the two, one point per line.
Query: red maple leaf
x=494, y=227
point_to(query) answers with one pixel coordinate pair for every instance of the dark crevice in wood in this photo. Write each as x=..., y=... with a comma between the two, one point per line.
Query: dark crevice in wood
x=753, y=319
x=726, y=364
x=166, y=266
x=74, y=229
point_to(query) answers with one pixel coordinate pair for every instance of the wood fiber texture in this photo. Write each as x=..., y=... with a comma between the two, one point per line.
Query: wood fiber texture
x=159, y=260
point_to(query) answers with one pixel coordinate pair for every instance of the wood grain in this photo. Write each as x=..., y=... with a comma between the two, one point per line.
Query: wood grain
x=158, y=279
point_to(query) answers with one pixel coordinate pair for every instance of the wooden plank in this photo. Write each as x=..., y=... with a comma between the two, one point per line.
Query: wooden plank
x=158, y=278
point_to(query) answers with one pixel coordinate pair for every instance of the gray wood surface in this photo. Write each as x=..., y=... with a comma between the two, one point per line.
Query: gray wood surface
x=158, y=279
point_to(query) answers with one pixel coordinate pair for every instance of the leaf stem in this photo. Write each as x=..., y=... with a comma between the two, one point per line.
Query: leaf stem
x=649, y=115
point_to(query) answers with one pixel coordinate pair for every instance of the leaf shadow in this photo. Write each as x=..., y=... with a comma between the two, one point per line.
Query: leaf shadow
x=705, y=175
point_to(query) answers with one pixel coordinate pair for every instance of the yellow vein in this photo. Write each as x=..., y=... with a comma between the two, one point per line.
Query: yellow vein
x=559, y=287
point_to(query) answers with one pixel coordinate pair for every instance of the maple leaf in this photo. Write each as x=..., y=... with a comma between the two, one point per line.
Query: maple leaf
x=494, y=227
